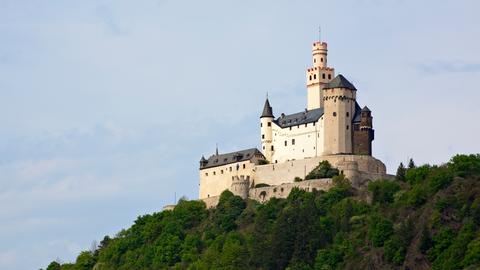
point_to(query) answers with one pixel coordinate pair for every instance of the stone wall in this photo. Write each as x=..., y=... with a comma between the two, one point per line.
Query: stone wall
x=355, y=167
x=264, y=194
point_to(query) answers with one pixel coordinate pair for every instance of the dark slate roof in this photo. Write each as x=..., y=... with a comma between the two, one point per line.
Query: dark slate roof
x=300, y=118
x=340, y=82
x=357, y=115
x=366, y=109
x=224, y=159
x=267, y=110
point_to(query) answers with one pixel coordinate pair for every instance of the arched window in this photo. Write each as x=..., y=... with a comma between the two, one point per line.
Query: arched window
x=321, y=59
x=310, y=78
x=271, y=147
x=314, y=76
x=329, y=76
x=323, y=75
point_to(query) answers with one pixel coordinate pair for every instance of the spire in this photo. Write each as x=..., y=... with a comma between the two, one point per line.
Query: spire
x=267, y=109
x=216, y=149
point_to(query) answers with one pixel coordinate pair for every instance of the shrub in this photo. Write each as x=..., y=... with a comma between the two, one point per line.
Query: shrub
x=341, y=181
x=417, y=175
x=297, y=179
x=383, y=191
x=380, y=230
x=440, y=178
x=323, y=170
x=395, y=250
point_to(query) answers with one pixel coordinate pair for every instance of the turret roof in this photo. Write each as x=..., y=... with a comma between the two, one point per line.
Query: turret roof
x=340, y=82
x=366, y=109
x=267, y=110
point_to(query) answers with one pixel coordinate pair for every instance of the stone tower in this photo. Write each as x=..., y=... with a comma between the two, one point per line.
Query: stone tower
x=363, y=133
x=240, y=186
x=266, y=120
x=318, y=76
x=339, y=107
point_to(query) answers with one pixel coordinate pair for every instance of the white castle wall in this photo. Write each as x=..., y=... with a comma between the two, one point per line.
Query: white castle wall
x=357, y=168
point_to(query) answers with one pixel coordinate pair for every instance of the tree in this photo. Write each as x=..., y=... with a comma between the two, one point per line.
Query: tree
x=411, y=164
x=380, y=230
x=54, y=266
x=401, y=172
x=85, y=261
x=323, y=170
x=383, y=191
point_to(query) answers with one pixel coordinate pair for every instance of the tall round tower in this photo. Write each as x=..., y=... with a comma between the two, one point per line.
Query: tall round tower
x=339, y=106
x=318, y=75
x=266, y=120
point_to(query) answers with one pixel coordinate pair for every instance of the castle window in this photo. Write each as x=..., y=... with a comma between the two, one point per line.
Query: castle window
x=263, y=136
x=244, y=166
x=329, y=76
x=321, y=59
x=276, y=161
x=206, y=174
x=269, y=124
x=323, y=75
x=306, y=125
x=271, y=147
x=230, y=168
x=314, y=60
x=221, y=171
x=313, y=123
x=238, y=167
x=264, y=148
x=285, y=143
x=214, y=173
x=314, y=76
x=293, y=141
x=310, y=78
x=261, y=125
x=348, y=114
x=290, y=128
x=334, y=113
x=348, y=127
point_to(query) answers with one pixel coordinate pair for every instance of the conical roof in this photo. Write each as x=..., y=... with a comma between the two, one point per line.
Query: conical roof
x=366, y=109
x=340, y=82
x=267, y=110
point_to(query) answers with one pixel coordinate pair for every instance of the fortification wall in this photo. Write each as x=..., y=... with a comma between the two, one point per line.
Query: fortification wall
x=211, y=202
x=367, y=167
x=264, y=194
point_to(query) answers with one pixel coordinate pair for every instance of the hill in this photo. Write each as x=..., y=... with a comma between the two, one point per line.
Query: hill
x=428, y=218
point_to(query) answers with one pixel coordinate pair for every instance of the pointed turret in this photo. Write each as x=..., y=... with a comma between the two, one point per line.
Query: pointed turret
x=366, y=109
x=267, y=110
x=203, y=162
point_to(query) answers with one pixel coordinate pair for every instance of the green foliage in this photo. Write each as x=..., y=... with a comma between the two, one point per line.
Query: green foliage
x=323, y=170
x=401, y=171
x=417, y=174
x=341, y=181
x=465, y=165
x=54, y=266
x=380, y=230
x=85, y=261
x=383, y=191
x=472, y=255
x=411, y=164
x=312, y=230
x=395, y=250
x=451, y=257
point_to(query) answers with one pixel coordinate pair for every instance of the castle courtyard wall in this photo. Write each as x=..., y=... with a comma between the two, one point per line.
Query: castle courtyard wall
x=355, y=167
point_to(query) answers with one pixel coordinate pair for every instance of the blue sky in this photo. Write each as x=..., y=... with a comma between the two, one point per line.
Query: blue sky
x=107, y=106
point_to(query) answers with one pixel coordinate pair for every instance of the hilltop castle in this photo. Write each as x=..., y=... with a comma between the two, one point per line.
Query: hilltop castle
x=333, y=127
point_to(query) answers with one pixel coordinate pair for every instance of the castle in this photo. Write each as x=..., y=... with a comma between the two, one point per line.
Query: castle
x=333, y=127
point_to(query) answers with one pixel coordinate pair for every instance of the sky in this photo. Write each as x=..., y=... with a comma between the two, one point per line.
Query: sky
x=107, y=106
